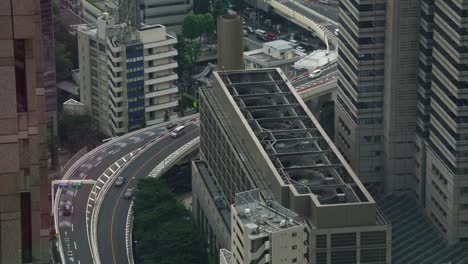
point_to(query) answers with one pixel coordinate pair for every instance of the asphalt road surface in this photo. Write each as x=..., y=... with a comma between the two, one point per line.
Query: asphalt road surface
x=72, y=228
x=114, y=209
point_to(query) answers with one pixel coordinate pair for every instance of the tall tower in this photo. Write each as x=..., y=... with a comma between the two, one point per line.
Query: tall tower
x=446, y=164
x=24, y=209
x=230, y=42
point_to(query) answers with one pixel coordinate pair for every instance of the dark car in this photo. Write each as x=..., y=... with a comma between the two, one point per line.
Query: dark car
x=67, y=210
x=171, y=126
x=128, y=194
x=120, y=181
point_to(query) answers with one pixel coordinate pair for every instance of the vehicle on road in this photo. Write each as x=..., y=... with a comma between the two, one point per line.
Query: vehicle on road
x=128, y=194
x=270, y=36
x=337, y=31
x=177, y=131
x=300, y=48
x=261, y=35
x=249, y=29
x=294, y=42
x=171, y=126
x=120, y=181
x=67, y=210
x=315, y=74
x=245, y=33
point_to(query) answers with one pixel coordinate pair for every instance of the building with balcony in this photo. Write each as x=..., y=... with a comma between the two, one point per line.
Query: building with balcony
x=127, y=76
x=256, y=132
x=278, y=53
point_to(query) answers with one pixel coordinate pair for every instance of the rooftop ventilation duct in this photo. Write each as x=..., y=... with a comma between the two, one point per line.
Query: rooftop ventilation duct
x=307, y=177
x=264, y=113
x=327, y=195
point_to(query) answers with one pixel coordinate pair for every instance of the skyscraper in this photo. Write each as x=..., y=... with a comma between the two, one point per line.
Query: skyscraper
x=415, y=138
x=443, y=118
x=24, y=209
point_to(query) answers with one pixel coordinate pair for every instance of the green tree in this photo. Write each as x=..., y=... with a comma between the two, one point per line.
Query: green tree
x=182, y=58
x=207, y=23
x=164, y=228
x=63, y=61
x=191, y=27
x=76, y=132
x=219, y=8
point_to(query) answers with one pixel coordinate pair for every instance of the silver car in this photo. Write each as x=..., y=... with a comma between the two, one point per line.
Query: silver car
x=128, y=194
x=120, y=181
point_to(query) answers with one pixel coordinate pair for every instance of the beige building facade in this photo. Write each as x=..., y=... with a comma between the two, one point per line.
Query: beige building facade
x=24, y=208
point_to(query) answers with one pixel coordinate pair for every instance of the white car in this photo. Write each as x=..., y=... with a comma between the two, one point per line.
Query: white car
x=301, y=49
x=315, y=74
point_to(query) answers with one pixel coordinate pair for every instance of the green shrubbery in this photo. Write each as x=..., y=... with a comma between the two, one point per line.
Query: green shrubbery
x=164, y=228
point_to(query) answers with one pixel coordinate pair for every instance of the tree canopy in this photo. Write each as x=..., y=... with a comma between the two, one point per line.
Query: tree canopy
x=164, y=229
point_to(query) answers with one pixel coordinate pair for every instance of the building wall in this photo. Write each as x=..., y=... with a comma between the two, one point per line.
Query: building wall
x=24, y=208
x=359, y=106
x=169, y=13
x=400, y=93
x=206, y=212
x=447, y=152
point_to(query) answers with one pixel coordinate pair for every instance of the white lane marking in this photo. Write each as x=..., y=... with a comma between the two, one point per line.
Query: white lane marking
x=99, y=180
x=118, y=166
x=106, y=175
x=72, y=228
x=72, y=209
x=91, y=199
x=124, y=159
x=111, y=170
x=74, y=242
x=89, y=206
x=79, y=262
x=74, y=195
x=98, y=187
x=97, y=163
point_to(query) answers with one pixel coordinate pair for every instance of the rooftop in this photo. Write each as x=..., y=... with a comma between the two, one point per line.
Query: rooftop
x=299, y=149
x=281, y=45
x=266, y=218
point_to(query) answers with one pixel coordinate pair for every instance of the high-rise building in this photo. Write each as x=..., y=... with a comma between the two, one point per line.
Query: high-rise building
x=415, y=59
x=376, y=105
x=127, y=78
x=442, y=158
x=256, y=132
x=24, y=207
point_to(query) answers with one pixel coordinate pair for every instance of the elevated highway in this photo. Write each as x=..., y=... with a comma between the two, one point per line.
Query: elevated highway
x=146, y=145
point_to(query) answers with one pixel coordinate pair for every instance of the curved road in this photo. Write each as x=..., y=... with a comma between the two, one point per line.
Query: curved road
x=114, y=209
x=72, y=229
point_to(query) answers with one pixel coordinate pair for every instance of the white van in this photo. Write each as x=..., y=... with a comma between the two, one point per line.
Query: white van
x=177, y=131
x=315, y=74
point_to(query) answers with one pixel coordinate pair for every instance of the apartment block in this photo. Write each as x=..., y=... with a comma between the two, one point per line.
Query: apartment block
x=127, y=76
x=264, y=233
x=24, y=208
x=256, y=133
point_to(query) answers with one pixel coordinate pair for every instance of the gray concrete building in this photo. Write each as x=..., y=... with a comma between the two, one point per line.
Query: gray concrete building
x=278, y=53
x=127, y=77
x=24, y=207
x=256, y=132
x=230, y=42
x=442, y=133
x=169, y=13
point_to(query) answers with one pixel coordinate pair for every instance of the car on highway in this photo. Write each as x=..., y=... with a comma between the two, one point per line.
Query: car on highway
x=315, y=74
x=128, y=194
x=119, y=181
x=66, y=209
x=293, y=42
x=249, y=29
x=177, y=131
x=300, y=48
x=245, y=33
x=261, y=34
x=271, y=36
x=171, y=126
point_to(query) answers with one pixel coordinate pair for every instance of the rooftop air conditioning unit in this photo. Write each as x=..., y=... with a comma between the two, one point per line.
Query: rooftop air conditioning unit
x=247, y=212
x=283, y=223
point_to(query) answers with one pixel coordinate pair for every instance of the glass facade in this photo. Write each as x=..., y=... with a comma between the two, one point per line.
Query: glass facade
x=135, y=87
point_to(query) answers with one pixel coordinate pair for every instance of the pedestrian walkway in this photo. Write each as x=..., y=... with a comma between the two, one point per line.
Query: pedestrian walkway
x=414, y=239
